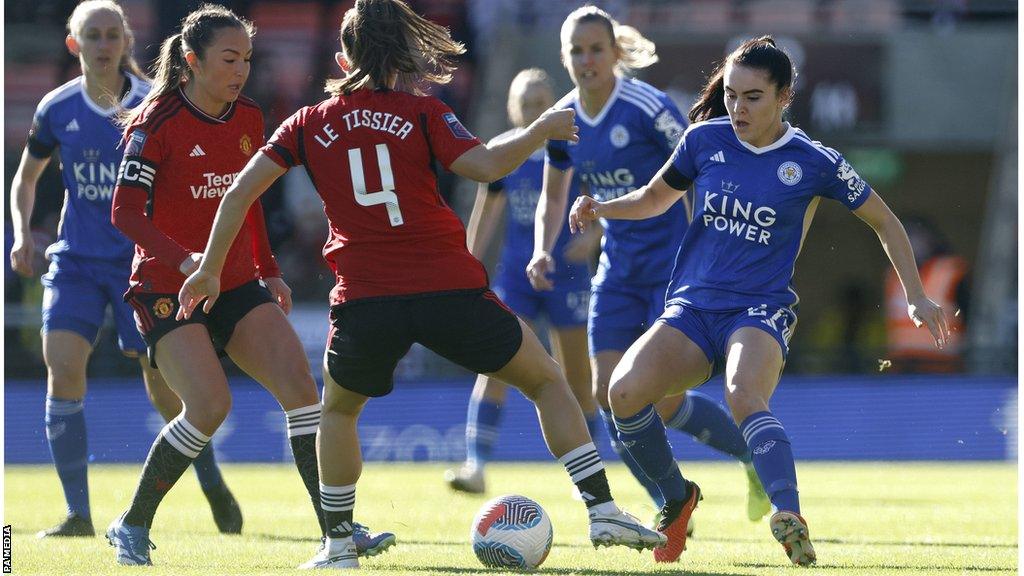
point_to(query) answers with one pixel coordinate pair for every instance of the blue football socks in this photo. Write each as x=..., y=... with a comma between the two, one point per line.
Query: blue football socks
x=643, y=435
x=481, y=430
x=709, y=423
x=65, y=432
x=649, y=485
x=772, y=456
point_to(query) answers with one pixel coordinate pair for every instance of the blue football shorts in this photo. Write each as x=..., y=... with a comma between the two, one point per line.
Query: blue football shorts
x=712, y=330
x=76, y=293
x=565, y=307
x=620, y=314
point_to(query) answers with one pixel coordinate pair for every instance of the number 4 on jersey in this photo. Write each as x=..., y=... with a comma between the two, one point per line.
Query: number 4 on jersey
x=387, y=196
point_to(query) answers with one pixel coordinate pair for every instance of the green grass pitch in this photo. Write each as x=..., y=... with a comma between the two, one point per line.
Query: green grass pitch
x=866, y=519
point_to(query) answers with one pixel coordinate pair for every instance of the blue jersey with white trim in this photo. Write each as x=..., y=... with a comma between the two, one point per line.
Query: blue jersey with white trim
x=752, y=209
x=620, y=150
x=89, y=146
x=522, y=191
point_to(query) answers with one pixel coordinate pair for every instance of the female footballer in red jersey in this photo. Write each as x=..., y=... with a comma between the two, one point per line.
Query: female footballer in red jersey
x=403, y=271
x=184, y=145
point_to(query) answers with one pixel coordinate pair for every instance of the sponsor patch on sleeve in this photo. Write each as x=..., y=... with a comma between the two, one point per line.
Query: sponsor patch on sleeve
x=136, y=141
x=853, y=181
x=458, y=130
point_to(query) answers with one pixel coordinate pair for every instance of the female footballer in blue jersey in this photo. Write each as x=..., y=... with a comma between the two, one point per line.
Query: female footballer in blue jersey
x=757, y=183
x=91, y=260
x=627, y=130
x=565, y=307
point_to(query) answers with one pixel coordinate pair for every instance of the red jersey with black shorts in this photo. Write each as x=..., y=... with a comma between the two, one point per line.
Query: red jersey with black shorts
x=403, y=271
x=178, y=163
x=370, y=155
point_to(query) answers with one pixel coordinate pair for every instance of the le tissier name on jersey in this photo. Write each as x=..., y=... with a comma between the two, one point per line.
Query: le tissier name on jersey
x=382, y=121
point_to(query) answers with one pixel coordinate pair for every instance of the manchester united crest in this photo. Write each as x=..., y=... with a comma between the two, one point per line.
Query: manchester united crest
x=245, y=144
x=163, y=308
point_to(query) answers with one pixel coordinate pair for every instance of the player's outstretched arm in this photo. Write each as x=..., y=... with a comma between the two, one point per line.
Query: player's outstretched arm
x=487, y=163
x=23, y=198
x=876, y=213
x=548, y=225
x=644, y=202
x=204, y=283
x=484, y=220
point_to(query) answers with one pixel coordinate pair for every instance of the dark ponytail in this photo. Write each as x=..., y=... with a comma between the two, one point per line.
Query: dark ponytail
x=383, y=37
x=198, y=31
x=758, y=53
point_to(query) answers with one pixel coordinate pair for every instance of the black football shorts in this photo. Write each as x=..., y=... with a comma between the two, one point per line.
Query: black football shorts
x=472, y=328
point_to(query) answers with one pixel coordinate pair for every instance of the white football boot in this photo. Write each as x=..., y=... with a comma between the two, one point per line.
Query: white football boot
x=620, y=528
x=340, y=554
x=466, y=478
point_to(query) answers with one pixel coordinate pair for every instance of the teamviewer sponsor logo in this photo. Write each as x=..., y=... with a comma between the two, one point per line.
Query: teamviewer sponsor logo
x=213, y=186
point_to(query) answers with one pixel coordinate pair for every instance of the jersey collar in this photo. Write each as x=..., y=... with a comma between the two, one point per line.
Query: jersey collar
x=108, y=112
x=582, y=115
x=782, y=141
x=203, y=115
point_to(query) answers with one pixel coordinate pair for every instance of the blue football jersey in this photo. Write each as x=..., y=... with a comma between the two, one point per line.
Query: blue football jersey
x=752, y=209
x=522, y=191
x=619, y=151
x=89, y=146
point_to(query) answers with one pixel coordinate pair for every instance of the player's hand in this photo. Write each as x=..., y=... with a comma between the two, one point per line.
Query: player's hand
x=22, y=253
x=584, y=211
x=559, y=124
x=198, y=286
x=190, y=264
x=583, y=248
x=538, y=269
x=281, y=292
x=925, y=312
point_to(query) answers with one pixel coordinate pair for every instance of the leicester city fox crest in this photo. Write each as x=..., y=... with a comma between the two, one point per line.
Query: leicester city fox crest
x=790, y=173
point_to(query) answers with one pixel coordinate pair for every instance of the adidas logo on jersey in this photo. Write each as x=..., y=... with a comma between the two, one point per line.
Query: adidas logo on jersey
x=718, y=157
x=72, y=126
x=196, y=152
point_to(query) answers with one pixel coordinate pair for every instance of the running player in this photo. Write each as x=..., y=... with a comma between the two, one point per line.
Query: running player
x=185, y=144
x=565, y=308
x=627, y=130
x=404, y=274
x=91, y=260
x=758, y=181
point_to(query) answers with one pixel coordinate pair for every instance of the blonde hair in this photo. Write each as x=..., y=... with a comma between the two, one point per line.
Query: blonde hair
x=82, y=12
x=635, y=51
x=523, y=80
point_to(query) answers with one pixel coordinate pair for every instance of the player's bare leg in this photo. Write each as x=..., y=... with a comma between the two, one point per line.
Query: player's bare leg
x=657, y=365
x=279, y=364
x=341, y=464
x=66, y=354
x=538, y=376
x=227, y=515
x=753, y=364
x=481, y=434
x=193, y=371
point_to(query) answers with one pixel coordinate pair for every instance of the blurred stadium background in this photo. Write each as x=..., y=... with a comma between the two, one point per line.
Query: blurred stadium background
x=920, y=95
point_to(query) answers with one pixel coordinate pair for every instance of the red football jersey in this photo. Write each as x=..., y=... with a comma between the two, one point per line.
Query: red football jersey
x=370, y=155
x=178, y=163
